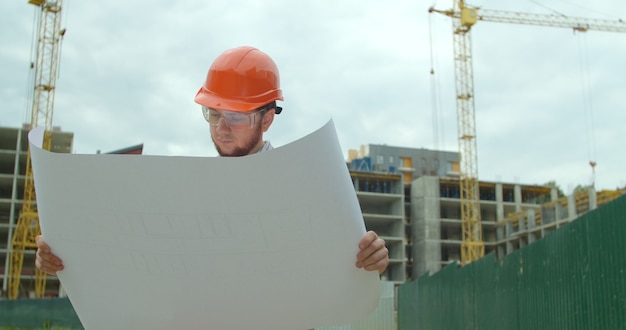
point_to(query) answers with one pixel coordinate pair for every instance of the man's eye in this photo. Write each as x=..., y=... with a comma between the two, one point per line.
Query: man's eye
x=236, y=118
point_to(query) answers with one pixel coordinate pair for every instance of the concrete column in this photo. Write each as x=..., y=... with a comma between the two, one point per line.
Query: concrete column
x=530, y=217
x=500, y=230
x=12, y=210
x=62, y=292
x=517, y=195
x=554, y=194
x=509, y=232
x=571, y=206
x=426, y=226
x=531, y=225
x=499, y=202
x=593, y=201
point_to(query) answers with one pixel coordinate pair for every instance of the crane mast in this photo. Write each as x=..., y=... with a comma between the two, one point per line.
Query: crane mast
x=48, y=36
x=472, y=246
x=463, y=18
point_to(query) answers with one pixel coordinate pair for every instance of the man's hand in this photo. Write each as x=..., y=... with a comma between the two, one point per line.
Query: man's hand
x=46, y=261
x=373, y=254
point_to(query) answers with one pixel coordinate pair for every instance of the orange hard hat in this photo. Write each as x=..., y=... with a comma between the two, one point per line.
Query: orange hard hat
x=240, y=79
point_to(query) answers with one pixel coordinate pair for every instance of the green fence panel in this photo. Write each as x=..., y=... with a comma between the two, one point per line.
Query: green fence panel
x=407, y=298
x=381, y=319
x=607, y=232
x=573, y=278
x=486, y=289
x=38, y=314
x=506, y=305
x=452, y=291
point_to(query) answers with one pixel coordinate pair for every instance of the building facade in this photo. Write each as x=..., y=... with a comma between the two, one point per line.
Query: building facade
x=432, y=209
x=435, y=218
x=13, y=156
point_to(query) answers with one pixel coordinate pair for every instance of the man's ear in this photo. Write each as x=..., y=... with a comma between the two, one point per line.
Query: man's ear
x=267, y=119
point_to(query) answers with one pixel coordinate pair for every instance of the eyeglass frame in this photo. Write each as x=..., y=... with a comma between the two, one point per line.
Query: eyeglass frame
x=250, y=114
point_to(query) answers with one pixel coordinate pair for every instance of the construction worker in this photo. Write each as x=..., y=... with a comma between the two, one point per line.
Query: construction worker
x=238, y=100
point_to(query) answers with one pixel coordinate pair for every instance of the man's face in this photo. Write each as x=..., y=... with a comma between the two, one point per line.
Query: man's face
x=241, y=142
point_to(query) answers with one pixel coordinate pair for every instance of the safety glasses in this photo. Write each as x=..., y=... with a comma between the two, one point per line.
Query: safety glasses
x=232, y=119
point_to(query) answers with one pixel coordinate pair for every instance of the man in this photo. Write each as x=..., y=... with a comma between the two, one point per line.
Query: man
x=238, y=100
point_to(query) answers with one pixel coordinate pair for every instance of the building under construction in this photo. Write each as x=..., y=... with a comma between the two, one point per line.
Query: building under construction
x=13, y=156
x=421, y=186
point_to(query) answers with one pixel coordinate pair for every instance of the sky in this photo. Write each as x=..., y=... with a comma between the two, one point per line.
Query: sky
x=547, y=100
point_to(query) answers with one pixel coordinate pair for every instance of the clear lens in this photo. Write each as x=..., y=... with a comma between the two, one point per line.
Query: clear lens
x=232, y=119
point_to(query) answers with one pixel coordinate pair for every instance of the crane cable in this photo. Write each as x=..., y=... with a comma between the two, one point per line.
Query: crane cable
x=587, y=103
x=435, y=102
x=31, y=68
x=583, y=51
x=63, y=30
x=548, y=8
x=435, y=97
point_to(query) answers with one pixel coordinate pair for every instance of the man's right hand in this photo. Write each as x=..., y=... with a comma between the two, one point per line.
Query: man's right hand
x=46, y=261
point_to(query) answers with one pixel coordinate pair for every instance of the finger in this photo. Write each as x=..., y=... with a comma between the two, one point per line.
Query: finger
x=370, y=249
x=49, y=257
x=375, y=256
x=48, y=262
x=377, y=261
x=41, y=244
x=47, y=267
x=46, y=270
x=369, y=237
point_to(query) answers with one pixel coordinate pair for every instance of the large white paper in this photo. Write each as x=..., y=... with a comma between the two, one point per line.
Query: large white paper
x=266, y=241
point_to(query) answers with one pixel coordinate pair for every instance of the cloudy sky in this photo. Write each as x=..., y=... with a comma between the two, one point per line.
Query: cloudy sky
x=547, y=100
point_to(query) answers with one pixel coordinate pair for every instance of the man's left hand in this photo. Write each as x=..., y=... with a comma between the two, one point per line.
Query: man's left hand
x=373, y=254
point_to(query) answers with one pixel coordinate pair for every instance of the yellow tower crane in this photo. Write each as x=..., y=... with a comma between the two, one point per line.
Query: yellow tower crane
x=49, y=36
x=463, y=18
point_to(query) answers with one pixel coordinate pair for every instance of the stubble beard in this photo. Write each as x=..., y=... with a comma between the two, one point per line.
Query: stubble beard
x=246, y=149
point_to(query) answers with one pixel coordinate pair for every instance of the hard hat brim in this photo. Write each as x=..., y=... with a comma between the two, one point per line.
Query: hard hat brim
x=208, y=99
